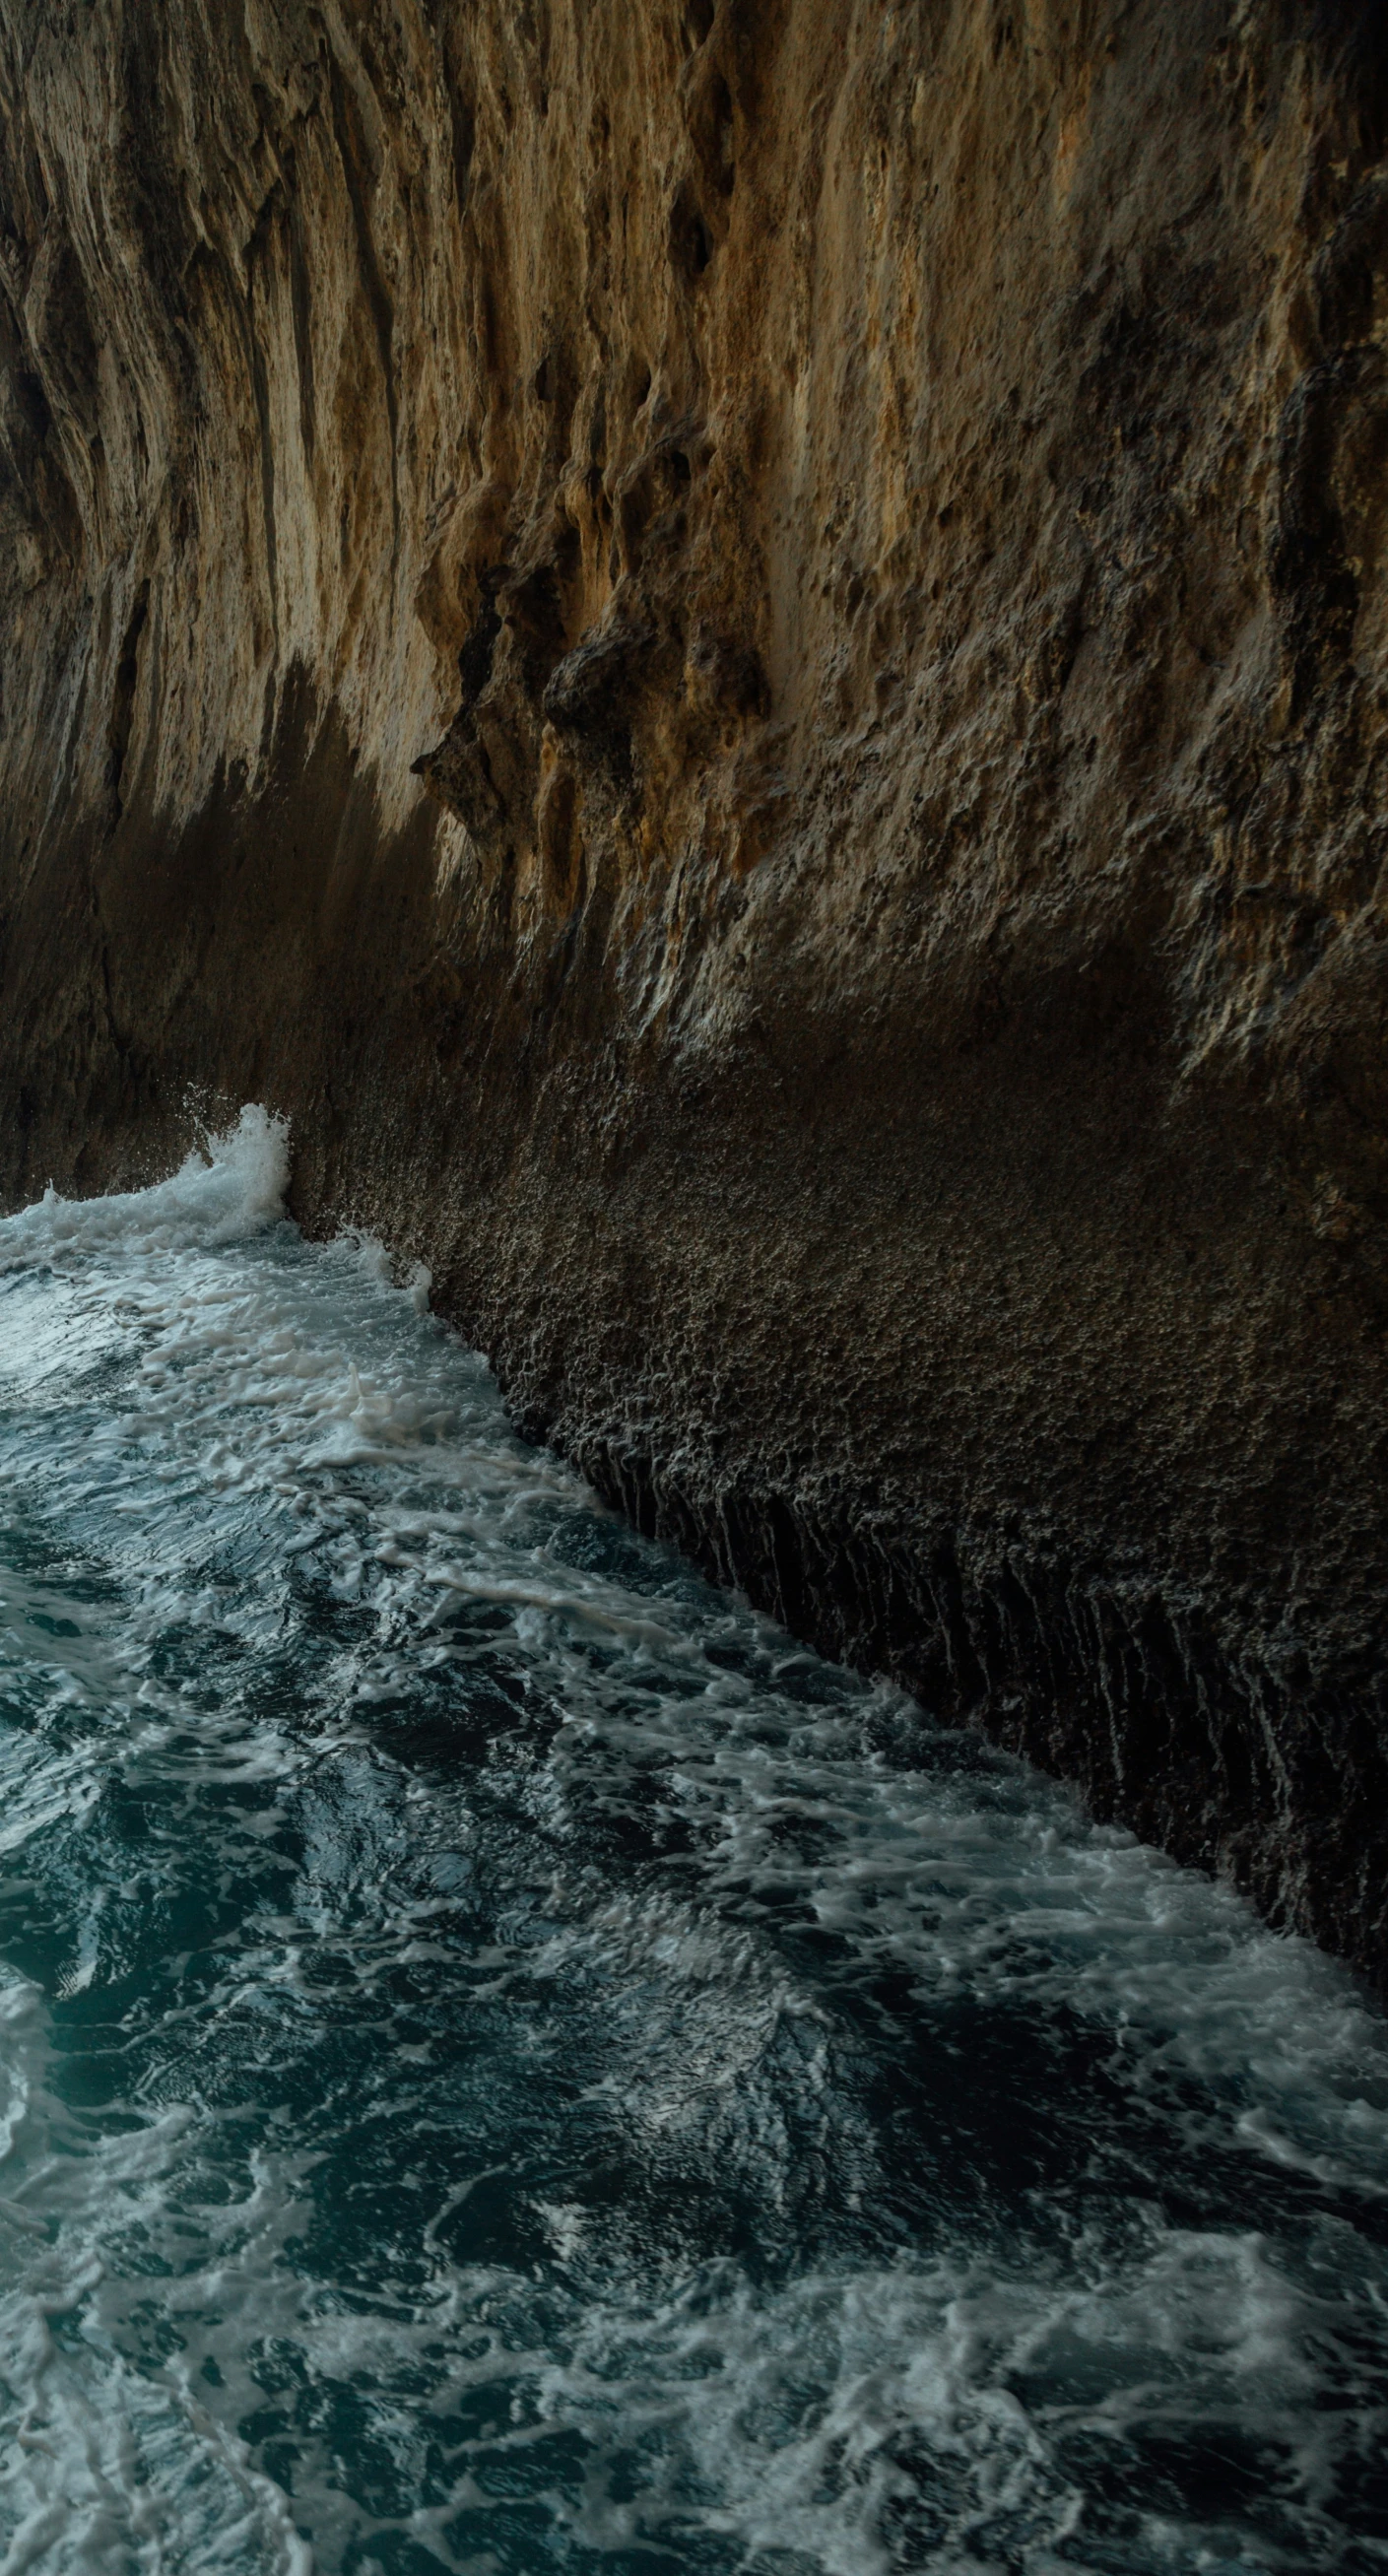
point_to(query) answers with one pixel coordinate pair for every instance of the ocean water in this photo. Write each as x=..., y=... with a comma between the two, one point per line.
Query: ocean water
x=507, y=2064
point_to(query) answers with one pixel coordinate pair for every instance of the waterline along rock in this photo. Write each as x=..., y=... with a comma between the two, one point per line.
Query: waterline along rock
x=741, y=654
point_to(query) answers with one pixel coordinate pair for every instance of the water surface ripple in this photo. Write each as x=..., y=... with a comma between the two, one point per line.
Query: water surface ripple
x=509, y=2065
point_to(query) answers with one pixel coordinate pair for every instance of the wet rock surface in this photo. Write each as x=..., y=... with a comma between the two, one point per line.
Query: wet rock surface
x=743, y=655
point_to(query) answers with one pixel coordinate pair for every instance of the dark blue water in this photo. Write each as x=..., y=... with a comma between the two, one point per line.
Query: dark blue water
x=508, y=2065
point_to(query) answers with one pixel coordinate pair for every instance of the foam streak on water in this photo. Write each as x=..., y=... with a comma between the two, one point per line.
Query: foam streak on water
x=508, y=2065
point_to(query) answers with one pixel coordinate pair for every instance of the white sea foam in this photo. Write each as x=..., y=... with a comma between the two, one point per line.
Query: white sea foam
x=504, y=2056
x=222, y=1195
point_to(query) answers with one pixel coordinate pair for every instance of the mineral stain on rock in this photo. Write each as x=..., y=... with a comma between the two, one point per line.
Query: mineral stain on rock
x=742, y=655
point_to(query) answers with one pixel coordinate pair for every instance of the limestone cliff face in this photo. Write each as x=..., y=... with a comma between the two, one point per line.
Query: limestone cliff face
x=742, y=652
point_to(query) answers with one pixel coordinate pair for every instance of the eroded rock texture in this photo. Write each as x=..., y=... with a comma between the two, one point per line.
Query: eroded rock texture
x=742, y=652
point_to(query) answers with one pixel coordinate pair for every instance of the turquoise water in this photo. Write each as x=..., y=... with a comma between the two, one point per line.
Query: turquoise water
x=508, y=2064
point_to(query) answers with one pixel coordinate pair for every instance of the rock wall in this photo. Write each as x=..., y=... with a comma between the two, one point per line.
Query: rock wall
x=742, y=652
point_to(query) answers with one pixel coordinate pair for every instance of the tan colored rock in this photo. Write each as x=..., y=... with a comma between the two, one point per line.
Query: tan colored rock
x=743, y=653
